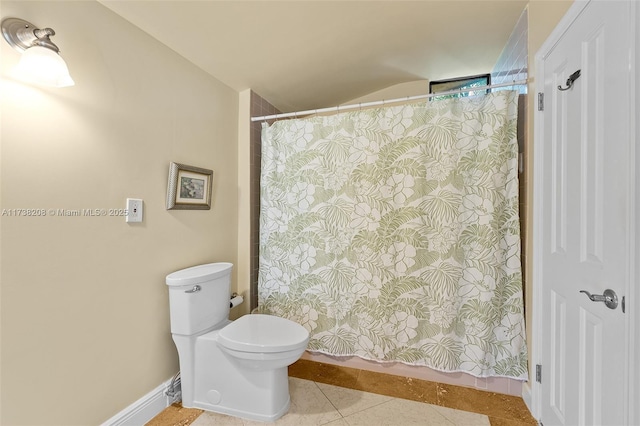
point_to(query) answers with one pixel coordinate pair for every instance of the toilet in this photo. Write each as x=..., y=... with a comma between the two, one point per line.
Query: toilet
x=236, y=367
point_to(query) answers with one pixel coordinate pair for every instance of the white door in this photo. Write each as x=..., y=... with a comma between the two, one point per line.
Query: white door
x=584, y=218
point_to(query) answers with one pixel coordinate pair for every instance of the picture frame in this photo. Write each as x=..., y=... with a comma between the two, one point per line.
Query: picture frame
x=189, y=187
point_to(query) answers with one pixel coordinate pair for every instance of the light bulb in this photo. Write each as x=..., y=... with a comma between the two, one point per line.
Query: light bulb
x=40, y=65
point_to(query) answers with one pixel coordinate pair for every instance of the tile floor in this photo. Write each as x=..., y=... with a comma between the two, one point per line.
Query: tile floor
x=325, y=394
x=315, y=403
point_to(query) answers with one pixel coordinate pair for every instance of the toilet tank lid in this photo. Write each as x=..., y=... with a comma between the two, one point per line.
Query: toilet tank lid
x=198, y=274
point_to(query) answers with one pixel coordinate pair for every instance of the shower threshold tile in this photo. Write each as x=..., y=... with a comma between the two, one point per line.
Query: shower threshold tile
x=398, y=386
x=488, y=403
x=346, y=377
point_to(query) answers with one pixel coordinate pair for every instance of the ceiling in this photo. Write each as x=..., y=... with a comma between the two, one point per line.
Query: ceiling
x=313, y=54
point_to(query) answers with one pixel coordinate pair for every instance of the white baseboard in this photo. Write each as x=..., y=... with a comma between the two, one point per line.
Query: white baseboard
x=144, y=409
x=527, y=397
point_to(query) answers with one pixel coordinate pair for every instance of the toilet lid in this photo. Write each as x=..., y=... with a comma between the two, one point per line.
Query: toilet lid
x=263, y=333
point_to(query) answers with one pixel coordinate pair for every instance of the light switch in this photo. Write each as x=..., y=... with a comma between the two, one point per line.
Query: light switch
x=134, y=210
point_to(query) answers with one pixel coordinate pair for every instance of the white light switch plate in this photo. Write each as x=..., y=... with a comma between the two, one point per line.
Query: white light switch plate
x=134, y=210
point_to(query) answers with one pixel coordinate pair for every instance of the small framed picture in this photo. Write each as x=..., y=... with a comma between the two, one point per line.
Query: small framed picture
x=189, y=187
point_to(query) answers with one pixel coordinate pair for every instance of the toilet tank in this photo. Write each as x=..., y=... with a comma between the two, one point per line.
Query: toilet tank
x=199, y=297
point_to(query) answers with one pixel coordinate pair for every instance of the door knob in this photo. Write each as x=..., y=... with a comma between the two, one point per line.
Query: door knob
x=609, y=297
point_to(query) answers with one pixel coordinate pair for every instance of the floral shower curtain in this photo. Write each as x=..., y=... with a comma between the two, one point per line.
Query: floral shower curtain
x=392, y=234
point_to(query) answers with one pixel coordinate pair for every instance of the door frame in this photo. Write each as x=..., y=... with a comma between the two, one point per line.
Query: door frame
x=532, y=391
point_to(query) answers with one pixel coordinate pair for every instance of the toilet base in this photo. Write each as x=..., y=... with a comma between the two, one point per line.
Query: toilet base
x=219, y=384
x=243, y=414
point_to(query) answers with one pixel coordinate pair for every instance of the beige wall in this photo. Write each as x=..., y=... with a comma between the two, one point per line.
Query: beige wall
x=243, y=264
x=85, y=320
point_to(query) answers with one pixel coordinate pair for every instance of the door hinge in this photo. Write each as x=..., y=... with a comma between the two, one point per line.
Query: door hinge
x=540, y=101
x=538, y=373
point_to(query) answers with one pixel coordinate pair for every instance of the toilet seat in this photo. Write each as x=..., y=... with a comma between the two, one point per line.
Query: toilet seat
x=260, y=333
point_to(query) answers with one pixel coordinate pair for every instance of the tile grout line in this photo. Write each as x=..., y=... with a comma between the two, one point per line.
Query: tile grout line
x=328, y=399
x=391, y=399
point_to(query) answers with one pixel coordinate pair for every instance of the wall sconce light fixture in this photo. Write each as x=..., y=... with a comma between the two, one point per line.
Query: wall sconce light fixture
x=40, y=62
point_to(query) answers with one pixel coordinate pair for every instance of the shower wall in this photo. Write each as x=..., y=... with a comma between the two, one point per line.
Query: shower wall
x=259, y=107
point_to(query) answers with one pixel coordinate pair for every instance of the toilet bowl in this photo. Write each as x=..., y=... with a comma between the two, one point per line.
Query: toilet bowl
x=263, y=341
x=231, y=367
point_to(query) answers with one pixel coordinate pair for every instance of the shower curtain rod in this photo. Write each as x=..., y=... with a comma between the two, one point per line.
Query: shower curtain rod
x=341, y=108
